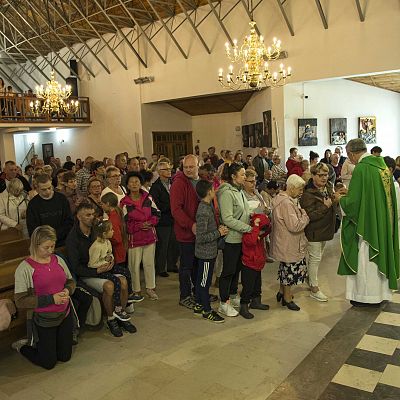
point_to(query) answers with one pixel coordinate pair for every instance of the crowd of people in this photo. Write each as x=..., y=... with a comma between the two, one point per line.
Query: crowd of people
x=94, y=224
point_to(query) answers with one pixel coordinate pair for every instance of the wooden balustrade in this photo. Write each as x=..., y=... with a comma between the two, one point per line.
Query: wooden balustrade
x=15, y=107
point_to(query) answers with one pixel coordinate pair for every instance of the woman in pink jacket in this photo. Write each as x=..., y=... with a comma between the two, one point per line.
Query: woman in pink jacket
x=288, y=241
x=141, y=215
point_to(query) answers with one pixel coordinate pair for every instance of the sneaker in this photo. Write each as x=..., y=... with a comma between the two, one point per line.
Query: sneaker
x=135, y=298
x=318, y=296
x=114, y=327
x=227, y=309
x=130, y=309
x=18, y=344
x=121, y=315
x=235, y=301
x=198, y=310
x=127, y=326
x=213, y=317
x=187, y=302
x=213, y=298
x=152, y=294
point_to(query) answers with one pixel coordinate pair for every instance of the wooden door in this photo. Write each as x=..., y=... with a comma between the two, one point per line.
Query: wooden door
x=173, y=144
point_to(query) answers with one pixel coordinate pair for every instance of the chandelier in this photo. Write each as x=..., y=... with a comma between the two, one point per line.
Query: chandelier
x=54, y=98
x=252, y=59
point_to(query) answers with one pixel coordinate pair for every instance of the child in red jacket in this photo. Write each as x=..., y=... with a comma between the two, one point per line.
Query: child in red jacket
x=253, y=259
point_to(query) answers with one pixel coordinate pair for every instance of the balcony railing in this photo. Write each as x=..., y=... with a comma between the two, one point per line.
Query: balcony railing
x=15, y=107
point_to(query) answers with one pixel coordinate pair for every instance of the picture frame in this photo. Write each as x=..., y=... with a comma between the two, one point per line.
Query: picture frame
x=267, y=120
x=367, y=129
x=48, y=151
x=338, y=131
x=245, y=135
x=259, y=134
x=307, y=132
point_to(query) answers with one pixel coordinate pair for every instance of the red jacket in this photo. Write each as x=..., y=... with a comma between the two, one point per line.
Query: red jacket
x=184, y=203
x=145, y=210
x=253, y=243
x=117, y=241
x=294, y=167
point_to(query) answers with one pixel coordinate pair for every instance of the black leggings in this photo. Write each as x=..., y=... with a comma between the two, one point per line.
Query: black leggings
x=232, y=265
x=117, y=269
x=82, y=302
x=55, y=344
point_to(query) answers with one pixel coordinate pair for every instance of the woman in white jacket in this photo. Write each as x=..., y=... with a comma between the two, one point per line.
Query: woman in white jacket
x=13, y=204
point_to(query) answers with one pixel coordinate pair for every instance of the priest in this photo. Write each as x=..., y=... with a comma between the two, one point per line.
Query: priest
x=369, y=236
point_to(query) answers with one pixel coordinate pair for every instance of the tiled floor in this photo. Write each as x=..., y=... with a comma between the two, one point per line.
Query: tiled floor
x=177, y=356
x=372, y=372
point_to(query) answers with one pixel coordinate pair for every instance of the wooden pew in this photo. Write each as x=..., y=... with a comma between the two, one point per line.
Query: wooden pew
x=14, y=249
x=10, y=234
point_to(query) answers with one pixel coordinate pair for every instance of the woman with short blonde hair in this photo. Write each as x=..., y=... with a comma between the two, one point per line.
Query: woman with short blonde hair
x=113, y=179
x=43, y=286
x=13, y=205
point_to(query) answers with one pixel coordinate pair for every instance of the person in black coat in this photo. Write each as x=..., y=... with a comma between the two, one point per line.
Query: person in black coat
x=167, y=252
x=49, y=208
x=10, y=172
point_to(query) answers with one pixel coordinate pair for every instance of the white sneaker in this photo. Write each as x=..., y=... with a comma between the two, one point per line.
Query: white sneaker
x=318, y=296
x=235, y=301
x=130, y=309
x=18, y=344
x=227, y=309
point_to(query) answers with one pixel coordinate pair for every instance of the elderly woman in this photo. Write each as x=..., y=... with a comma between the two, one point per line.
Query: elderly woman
x=94, y=195
x=255, y=200
x=43, y=286
x=13, y=204
x=320, y=204
x=235, y=214
x=113, y=178
x=288, y=241
x=142, y=215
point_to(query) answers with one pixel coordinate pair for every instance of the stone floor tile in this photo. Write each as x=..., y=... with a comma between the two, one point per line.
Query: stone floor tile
x=378, y=344
x=388, y=318
x=391, y=376
x=358, y=378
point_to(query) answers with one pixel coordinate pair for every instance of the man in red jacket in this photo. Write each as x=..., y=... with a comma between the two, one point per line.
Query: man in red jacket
x=293, y=165
x=184, y=203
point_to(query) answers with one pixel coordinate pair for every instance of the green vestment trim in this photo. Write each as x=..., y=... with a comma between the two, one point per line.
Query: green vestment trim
x=371, y=213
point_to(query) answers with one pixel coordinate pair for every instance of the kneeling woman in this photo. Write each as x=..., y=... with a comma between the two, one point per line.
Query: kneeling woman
x=43, y=286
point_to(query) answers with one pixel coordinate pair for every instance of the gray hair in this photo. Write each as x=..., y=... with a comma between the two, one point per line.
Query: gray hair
x=15, y=186
x=294, y=181
x=356, y=146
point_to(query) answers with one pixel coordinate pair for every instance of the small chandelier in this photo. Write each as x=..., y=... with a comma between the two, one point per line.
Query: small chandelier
x=251, y=58
x=54, y=97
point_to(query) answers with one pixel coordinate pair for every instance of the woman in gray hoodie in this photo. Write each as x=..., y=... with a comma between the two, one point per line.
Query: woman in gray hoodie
x=234, y=213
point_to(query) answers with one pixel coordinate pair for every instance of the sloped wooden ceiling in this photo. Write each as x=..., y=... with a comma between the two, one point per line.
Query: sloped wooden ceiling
x=389, y=81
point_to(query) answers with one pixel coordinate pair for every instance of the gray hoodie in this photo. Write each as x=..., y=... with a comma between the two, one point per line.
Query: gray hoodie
x=234, y=212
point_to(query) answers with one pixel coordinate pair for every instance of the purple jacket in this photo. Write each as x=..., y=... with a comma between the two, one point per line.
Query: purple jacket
x=145, y=210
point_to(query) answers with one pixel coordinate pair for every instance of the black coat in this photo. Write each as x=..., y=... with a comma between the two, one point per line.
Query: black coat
x=3, y=186
x=160, y=196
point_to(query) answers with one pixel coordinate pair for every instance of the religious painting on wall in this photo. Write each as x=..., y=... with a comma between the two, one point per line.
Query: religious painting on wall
x=338, y=131
x=367, y=129
x=267, y=118
x=307, y=132
x=259, y=134
x=252, y=136
x=245, y=135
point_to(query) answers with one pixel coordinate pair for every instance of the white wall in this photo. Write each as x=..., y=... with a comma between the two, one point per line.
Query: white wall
x=162, y=118
x=217, y=130
x=342, y=99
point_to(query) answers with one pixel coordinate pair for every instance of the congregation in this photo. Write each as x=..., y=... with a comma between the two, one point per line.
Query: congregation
x=95, y=224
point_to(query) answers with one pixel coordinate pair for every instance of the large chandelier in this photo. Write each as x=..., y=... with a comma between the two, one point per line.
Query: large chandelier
x=251, y=59
x=53, y=98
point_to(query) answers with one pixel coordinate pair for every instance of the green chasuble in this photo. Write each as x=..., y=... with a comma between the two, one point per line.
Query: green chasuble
x=371, y=213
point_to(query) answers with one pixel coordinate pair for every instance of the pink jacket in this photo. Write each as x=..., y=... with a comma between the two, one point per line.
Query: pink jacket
x=288, y=241
x=136, y=215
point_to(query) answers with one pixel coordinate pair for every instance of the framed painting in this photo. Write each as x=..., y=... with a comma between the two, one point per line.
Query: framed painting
x=367, y=129
x=245, y=135
x=252, y=136
x=267, y=119
x=338, y=131
x=47, y=150
x=259, y=134
x=307, y=132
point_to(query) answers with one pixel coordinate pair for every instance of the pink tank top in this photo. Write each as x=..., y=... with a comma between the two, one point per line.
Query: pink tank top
x=48, y=279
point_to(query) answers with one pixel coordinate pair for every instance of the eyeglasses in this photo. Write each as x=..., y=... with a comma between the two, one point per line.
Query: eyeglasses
x=115, y=176
x=165, y=169
x=251, y=181
x=322, y=175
